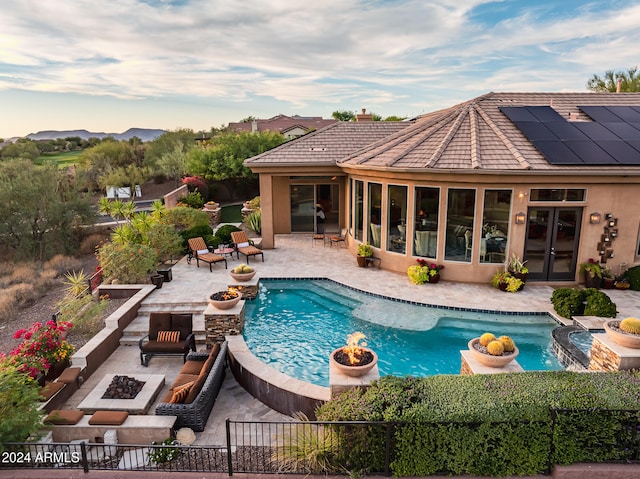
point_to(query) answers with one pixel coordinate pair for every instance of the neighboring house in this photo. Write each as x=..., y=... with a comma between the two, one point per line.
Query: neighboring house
x=551, y=177
x=290, y=126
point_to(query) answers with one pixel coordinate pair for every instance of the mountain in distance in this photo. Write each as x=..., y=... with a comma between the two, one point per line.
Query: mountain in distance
x=145, y=134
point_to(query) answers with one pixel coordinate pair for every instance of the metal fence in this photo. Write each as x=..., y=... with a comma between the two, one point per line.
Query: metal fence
x=312, y=447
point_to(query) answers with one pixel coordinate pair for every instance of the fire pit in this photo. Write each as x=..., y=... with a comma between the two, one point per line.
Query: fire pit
x=123, y=387
x=148, y=386
x=354, y=359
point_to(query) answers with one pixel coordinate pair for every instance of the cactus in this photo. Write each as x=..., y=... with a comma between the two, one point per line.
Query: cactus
x=630, y=325
x=508, y=343
x=495, y=348
x=486, y=338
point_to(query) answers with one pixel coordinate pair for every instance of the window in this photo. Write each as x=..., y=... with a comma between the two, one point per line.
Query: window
x=375, y=214
x=425, y=242
x=495, y=226
x=359, y=209
x=460, y=213
x=397, y=219
x=559, y=194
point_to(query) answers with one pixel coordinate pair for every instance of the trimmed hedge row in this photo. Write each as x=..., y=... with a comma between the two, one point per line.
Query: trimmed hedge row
x=502, y=424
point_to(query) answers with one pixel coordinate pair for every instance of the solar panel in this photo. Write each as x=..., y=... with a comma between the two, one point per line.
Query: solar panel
x=594, y=130
x=635, y=144
x=600, y=113
x=625, y=113
x=544, y=113
x=590, y=153
x=557, y=153
x=535, y=130
x=565, y=130
x=624, y=153
x=623, y=130
x=517, y=113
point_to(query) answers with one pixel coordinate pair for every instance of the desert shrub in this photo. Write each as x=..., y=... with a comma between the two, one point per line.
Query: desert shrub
x=633, y=276
x=224, y=233
x=254, y=203
x=253, y=221
x=183, y=217
x=127, y=263
x=47, y=279
x=20, y=416
x=89, y=244
x=63, y=264
x=84, y=312
x=166, y=241
x=193, y=200
x=22, y=273
x=195, y=183
x=8, y=306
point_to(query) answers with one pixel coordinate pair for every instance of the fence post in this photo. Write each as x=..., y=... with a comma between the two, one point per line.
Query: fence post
x=229, y=464
x=85, y=459
x=387, y=449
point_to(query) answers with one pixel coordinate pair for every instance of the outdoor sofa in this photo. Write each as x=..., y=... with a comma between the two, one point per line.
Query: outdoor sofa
x=202, y=374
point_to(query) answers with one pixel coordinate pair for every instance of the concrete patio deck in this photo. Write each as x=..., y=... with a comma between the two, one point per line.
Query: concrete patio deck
x=296, y=257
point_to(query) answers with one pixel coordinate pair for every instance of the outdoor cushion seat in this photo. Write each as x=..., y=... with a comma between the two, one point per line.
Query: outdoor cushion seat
x=192, y=367
x=244, y=245
x=200, y=252
x=151, y=345
x=108, y=418
x=50, y=389
x=67, y=417
x=69, y=375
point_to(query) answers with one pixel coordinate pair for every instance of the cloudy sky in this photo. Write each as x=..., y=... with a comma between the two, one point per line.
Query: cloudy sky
x=108, y=66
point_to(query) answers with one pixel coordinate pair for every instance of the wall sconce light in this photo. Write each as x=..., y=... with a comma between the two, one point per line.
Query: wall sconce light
x=594, y=218
x=520, y=218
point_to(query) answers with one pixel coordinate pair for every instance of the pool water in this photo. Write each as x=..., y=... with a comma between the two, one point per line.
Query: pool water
x=583, y=340
x=294, y=325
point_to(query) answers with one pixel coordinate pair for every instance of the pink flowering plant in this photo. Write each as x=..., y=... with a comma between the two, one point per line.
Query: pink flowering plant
x=42, y=346
x=423, y=271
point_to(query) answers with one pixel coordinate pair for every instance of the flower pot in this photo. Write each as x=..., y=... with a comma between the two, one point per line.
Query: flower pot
x=354, y=371
x=434, y=279
x=622, y=285
x=628, y=340
x=362, y=261
x=241, y=277
x=166, y=274
x=157, y=280
x=208, y=206
x=55, y=370
x=591, y=281
x=608, y=283
x=487, y=359
x=224, y=304
x=521, y=276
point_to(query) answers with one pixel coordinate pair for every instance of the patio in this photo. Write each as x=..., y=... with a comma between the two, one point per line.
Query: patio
x=295, y=257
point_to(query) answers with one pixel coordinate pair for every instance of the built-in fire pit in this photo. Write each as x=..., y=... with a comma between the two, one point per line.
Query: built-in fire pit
x=123, y=387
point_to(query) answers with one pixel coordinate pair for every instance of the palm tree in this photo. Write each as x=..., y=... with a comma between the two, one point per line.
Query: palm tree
x=629, y=81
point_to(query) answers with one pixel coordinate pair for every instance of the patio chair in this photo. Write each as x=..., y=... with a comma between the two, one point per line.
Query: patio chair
x=170, y=334
x=338, y=239
x=244, y=245
x=200, y=252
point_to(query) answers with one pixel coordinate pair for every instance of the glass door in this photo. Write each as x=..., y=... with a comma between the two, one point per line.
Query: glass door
x=552, y=240
x=303, y=211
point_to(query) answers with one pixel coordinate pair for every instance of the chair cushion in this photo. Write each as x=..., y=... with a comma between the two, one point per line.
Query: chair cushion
x=180, y=393
x=50, y=389
x=69, y=375
x=182, y=322
x=243, y=245
x=192, y=367
x=183, y=379
x=64, y=417
x=208, y=364
x=158, y=322
x=163, y=347
x=202, y=251
x=108, y=418
x=168, y=336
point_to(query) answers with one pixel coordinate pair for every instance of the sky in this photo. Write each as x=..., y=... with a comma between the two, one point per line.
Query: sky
x=169, y=64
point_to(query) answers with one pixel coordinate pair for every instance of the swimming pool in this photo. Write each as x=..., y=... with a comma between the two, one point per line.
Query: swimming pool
x=293, y=325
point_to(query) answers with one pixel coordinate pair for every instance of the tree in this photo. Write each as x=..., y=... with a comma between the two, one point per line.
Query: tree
x=173, y=163
x=394, y=118
x=105, y=157
x=20, y=149
x=343, y=115
x=630, y=81
x=167, y=142
x=41, y=209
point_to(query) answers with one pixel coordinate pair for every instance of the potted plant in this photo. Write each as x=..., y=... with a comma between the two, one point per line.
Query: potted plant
x=493, y=352
x=354, y=359
x=424, y=272
x=625, y=333
x=517, y=268
x=592, y=272
x=242, y=272
x=365, y=250
x=211, y=205
x=506, y=281
x=608, y=279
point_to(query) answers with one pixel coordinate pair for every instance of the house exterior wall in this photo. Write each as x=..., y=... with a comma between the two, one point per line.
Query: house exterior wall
x=612, y=194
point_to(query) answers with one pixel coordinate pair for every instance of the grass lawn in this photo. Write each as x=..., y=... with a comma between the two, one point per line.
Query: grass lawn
x=63, y=159
x=231, y=214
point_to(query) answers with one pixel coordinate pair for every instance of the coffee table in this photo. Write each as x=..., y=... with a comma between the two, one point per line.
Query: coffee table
x=139, y=405
x=224, y=251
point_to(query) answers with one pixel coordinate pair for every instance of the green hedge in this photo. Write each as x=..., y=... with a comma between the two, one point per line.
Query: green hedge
x=495, y=424
x=633, y=275
x=569, y=302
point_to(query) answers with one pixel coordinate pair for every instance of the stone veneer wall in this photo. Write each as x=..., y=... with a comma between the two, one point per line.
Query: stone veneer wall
x=219, y=323
x=214, y=216
x=607, y=355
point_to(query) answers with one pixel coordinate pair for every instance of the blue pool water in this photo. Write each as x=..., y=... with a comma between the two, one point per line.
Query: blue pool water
x=582, y=339
x=294, y=325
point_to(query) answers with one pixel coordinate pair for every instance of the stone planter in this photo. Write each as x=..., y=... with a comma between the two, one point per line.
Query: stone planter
x=628, y=340
x=489, y=360
x=211, y=207
x=242, y=277
x=224, y=304
x=354, y=371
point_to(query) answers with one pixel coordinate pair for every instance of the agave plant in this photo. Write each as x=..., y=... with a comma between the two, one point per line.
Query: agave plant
x=254, y=221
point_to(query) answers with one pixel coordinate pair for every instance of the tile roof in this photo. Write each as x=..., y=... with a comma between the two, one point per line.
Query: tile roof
x=326, y=146
x=282, y=123
x=476, y=135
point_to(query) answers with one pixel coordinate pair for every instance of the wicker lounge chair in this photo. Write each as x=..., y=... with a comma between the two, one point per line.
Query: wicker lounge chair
x=200, y=252
x=244, y=245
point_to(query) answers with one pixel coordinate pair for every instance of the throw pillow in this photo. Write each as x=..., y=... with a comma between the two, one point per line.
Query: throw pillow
x=180, y=393
x=202, y=251
x=243, y=245
x=168, y=336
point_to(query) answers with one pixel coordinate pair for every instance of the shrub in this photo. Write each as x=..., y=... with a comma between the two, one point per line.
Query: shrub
x=633, y=276
x=195, y=183
x=163, y=455
x=64, y=264
x=127, y=263
x=182, y=217
x=211, y=240
x=195, y=232
x=166, y=241
x=224, y=233
x=598, y=304
x=254, y=203
x=569, y=302
x=89, y=244
x=23, y=273
x=253, y=221
x=84, y=312
x=193, y=200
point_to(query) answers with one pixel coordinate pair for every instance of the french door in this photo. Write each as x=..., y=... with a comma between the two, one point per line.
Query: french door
x=551, y=247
